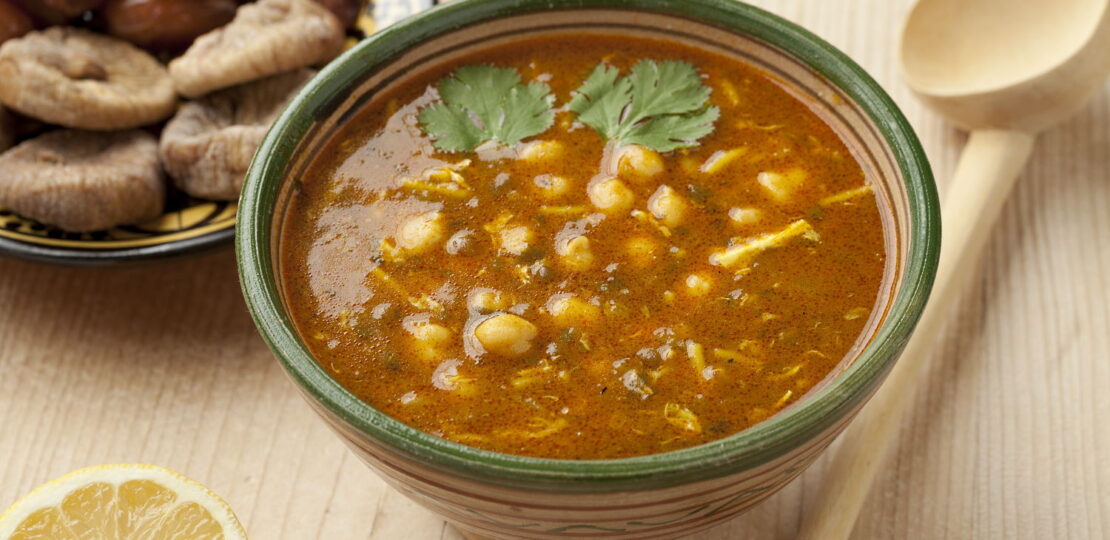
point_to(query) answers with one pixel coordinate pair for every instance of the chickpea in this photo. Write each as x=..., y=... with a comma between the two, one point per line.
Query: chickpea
x=781, y=186
x=667, y=206
x=641, y=250
x=745, y=216
x=462, y=243
x=610, y=195
x=487, y=301
x=569, y=310
x=698, y=284
x=540, y=151
x=575, y=253
x=551, y=186
x=429, y=338
x=421, y=233
x=516, y=240
x=426, y=331
x=636, y=163
x=506, y=334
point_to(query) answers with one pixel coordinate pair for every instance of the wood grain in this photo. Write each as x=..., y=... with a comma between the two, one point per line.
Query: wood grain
x=1008, y=436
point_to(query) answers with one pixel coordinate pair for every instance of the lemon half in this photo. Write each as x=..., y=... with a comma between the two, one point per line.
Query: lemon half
x=111, y=502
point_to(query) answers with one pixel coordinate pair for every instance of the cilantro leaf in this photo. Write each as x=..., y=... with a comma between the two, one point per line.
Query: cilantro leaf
x=660, y=105
x=601, y=99
x=666, y=133
x=451, y=128
x=527, y=112
x=486, y=103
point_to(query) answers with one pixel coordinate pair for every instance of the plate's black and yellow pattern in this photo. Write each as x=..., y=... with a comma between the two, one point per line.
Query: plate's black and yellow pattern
x=187, y=226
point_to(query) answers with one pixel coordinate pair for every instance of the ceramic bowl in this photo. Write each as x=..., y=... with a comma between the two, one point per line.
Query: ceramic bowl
x=657, y=496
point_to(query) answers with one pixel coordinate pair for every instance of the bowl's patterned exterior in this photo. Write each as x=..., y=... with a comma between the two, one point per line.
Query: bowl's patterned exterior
x=489, y=511
x=658, y=496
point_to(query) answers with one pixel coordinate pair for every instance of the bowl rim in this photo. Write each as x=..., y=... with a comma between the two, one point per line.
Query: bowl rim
x=746, y=449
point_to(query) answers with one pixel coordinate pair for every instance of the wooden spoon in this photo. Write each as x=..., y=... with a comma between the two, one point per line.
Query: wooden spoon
x=1004, y=69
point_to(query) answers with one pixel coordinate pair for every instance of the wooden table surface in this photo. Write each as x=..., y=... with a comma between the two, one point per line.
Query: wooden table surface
x=1009, y=437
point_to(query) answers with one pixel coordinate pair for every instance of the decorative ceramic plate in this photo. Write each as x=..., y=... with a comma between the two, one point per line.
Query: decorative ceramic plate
x=188, y=225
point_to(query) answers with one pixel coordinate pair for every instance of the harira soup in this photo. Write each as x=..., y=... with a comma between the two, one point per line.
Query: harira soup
x=628, y=247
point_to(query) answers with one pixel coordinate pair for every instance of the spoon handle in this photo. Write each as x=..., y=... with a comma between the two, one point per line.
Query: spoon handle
x=990, y=163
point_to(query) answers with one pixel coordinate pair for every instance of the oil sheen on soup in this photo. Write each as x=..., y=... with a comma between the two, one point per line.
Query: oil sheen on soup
x=615, y=284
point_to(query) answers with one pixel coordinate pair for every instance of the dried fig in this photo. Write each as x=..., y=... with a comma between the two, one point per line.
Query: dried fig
x=265, y=38
x=345, y=10
x=165, y=24
x=84, y=181
x=49, y=12
x=7, y=130
x=209, y=143
x=83, y=80
x=13, y=21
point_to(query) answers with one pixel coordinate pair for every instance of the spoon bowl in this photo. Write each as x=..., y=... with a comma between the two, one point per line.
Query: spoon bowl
x=1006, y=64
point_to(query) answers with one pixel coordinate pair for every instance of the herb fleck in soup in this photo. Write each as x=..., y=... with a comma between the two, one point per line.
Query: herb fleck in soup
x=626, y=248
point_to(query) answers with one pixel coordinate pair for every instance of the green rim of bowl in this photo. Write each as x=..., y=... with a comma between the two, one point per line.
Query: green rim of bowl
x=750, y=448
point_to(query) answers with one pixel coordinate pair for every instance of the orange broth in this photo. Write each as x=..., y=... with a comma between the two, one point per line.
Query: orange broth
x=647, y=345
